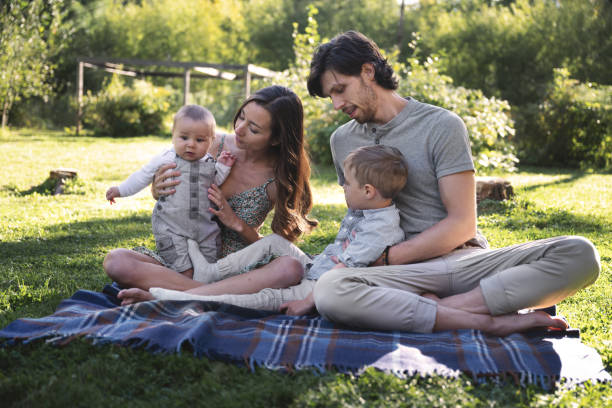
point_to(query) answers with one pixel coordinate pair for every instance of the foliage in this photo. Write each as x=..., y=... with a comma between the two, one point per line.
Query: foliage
x=29, y=34
x=179, y=30
x=571, y=127
x=120, y=110
x=320, y=120
x=487, y=119
x=505, y=48
x=51, y=246
x=509, y=51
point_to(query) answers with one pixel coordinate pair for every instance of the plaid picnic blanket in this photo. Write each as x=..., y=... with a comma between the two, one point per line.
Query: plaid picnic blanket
x=276, y=341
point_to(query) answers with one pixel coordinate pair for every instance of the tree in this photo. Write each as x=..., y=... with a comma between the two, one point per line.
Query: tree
x=27, y=39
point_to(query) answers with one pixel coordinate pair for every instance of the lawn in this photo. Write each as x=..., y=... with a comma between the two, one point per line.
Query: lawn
x=50, y=246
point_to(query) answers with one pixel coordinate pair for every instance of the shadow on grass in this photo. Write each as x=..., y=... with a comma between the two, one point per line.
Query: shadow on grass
x=569, y=177
x=85, y=236
x=519, y=214
x=47, y=187
x=123, y=376
x=77, y=237
x=566, y=180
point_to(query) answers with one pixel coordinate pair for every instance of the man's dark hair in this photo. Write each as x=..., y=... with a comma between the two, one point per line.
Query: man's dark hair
x=346, y=53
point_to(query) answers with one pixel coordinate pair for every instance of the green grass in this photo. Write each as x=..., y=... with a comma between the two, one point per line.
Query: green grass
x=50, y=246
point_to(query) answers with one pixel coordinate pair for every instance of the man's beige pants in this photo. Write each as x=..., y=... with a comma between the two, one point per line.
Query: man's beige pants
x=530, y=275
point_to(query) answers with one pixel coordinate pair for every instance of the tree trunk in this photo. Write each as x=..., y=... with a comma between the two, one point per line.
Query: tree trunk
x=5, y=111
x=400, y=26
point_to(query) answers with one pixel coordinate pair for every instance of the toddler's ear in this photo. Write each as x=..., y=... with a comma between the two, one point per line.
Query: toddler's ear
x=369, y=190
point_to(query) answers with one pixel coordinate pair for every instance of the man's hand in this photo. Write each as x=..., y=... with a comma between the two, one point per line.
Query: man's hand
x=299, y=307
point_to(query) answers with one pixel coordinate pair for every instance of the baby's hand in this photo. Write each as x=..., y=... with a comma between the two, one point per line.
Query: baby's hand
x=112, y=193
x=227, y=158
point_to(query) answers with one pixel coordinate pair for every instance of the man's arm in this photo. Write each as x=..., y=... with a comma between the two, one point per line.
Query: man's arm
x=458, y=194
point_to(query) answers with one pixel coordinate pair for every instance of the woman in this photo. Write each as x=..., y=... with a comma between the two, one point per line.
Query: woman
x=271, y=171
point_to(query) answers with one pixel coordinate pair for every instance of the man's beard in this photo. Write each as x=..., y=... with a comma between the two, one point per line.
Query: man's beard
x=369, y=98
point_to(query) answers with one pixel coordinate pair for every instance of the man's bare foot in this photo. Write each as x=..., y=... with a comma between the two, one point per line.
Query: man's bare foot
x=513, y=323
x=448, y=318
x=133, y=295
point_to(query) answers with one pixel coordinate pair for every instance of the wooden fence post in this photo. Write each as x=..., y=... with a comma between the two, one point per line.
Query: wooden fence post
x=186, y=78
x=79, y=97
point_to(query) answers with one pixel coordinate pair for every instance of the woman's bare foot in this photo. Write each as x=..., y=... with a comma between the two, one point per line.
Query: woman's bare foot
x=133, y=295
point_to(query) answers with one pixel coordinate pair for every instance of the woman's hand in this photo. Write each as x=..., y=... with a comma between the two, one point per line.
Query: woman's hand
x=224, y=213
x=164, y=182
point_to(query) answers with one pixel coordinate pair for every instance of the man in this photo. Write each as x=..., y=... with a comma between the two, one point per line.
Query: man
x=443, y=276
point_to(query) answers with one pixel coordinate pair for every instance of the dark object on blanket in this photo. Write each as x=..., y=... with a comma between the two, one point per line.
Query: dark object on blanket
x=554, y=334
x=493, y=188
x=551, y=310
x=112, y=290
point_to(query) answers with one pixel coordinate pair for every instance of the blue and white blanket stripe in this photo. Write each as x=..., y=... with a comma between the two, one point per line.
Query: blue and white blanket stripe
x=276, y=341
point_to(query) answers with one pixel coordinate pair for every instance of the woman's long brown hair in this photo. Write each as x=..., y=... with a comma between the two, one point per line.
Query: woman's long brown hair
x=292, y=166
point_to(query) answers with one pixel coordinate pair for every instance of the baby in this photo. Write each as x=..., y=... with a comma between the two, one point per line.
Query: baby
x=185, y=214
x=373, y=175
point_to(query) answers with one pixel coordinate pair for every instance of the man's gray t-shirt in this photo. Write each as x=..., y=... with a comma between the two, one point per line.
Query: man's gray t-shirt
x=435, y=144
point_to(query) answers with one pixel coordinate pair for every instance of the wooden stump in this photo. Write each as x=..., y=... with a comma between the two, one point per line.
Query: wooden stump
x=493, y=188
x=61, y=175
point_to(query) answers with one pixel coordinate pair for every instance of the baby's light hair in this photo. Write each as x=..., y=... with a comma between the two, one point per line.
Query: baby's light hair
x=381, y=166
x=195, y=113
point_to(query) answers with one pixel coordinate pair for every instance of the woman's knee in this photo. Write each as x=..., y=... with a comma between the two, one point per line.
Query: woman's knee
x=116, y=264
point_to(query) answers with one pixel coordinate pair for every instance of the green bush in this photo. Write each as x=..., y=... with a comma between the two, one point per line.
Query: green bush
x=487, y=119
x=119, y=110
x=571, y=127
x=320, y=120
x=508, y=49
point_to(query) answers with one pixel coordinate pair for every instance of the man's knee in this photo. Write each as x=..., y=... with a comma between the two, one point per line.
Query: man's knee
x=586, y=258
x=326, y=295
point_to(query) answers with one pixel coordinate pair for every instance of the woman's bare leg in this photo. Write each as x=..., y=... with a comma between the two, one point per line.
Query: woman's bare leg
x=135, y=270
x=280, y=273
